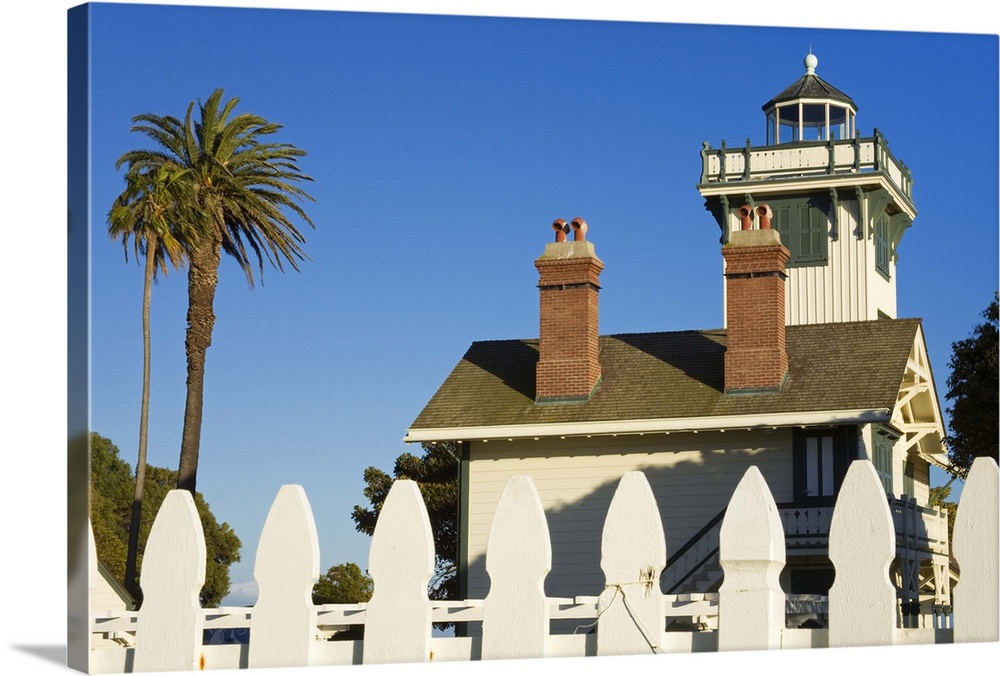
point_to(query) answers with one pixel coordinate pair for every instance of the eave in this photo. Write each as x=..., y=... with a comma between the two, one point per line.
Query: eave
x=648, y=426
x=771, y=186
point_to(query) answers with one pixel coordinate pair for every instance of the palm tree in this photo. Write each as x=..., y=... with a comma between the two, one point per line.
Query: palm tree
x=145, y=214
x=240, y=186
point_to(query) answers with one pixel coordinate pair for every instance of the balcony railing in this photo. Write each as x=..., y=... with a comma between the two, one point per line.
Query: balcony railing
x=921, y=532
x=803, y=159
x=918, y=529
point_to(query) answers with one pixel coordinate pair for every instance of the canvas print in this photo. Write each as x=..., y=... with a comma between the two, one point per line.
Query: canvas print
x=406, y=338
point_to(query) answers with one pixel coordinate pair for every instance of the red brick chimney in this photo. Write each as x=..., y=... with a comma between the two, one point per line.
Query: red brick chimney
x=568, y=369
x=756, y=359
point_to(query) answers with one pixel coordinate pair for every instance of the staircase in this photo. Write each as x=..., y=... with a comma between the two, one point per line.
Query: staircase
x=695, y=566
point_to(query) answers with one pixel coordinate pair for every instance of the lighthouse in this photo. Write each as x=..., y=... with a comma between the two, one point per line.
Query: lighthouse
x=839, y=200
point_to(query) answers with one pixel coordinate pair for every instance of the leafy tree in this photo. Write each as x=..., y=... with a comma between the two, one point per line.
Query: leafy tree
x=972, y=387
x=343, y=583
x=110, y=511
x=239, y=188
x=939, y=498
x=146, y=213
x=436, y=472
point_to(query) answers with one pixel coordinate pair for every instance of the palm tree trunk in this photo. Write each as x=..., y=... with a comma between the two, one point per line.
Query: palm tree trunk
x=140, y=465
x=203, y=278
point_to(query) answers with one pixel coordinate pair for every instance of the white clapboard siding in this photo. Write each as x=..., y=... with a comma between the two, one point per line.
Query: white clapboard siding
x=862, y=600
x=975, y=548
x=286, y=568
x=576, y=479
x=847, y=287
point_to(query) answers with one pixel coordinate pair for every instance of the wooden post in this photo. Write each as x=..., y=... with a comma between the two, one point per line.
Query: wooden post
x=752, y=554
x=401, y=562
x=975, y=548
x=630, y=617
x=170, y=623
x=283, y=623
x=518, y=557
x=862, y=546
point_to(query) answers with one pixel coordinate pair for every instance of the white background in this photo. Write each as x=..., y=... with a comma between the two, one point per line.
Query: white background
x=32, y=288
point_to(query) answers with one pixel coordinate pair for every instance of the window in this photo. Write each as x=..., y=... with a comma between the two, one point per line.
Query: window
x=819, y=467
x=883, y=253
x=819, y=461
x=804, y=229
x=908, y=487
x=882, y=459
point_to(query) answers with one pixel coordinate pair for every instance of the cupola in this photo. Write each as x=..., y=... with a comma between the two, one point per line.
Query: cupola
x=811, y=109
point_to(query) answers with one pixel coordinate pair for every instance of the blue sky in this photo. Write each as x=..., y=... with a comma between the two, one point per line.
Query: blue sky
x=440, y=157
x=441, y=148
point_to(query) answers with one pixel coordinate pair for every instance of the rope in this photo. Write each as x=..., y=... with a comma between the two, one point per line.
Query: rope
x=618, y=587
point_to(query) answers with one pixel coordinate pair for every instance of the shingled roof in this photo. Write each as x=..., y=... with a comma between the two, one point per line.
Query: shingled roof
x=810, y=86
x=676, y=375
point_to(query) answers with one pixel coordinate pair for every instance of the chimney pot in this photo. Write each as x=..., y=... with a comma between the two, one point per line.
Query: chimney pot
x=764, y=211
x=746, y=214
x=562, y=229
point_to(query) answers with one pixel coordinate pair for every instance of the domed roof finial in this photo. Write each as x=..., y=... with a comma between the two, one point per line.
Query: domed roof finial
x=810, y=62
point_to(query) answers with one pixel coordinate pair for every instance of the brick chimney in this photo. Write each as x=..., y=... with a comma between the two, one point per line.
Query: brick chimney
x=568, y=368
x=756, y=359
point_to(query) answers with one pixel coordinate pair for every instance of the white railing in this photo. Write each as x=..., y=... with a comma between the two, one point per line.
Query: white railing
x=850, y=156
x=921, y=532
x=629, y=617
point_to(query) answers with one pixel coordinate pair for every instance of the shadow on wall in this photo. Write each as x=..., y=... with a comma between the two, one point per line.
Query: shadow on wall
x=689, y=493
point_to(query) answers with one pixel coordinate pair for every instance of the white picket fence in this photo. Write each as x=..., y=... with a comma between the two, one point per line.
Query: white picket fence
x=629, y=617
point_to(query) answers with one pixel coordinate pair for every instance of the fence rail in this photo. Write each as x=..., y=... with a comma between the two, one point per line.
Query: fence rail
x=630, y=616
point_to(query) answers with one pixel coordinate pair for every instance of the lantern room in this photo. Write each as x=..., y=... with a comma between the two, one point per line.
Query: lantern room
x=810, y=110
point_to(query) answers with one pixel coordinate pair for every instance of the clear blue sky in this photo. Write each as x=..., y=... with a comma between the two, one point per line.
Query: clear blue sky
x=440, y=156
x=442, y=148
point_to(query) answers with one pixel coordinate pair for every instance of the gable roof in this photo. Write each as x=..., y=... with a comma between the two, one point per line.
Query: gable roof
x=837, y=372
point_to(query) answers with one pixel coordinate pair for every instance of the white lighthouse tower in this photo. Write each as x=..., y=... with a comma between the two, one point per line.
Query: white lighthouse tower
x=841, y=202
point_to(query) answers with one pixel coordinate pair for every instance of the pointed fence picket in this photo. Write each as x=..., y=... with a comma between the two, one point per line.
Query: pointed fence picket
x=516, y=612
x=633, y=554
x=283, y=623
x=630, y=615
x=975, y=548
x=752, y=554
x=862, y=546
x=401, y=563
x=169, y=631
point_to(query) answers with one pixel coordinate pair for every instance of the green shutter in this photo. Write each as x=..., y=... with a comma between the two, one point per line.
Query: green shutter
x=882, y=251
x=802, y=224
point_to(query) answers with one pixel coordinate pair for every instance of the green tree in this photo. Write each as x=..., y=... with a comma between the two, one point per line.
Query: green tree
x=972, y=387
x=240, y=187
x=343, y=583
x=147, y=214
x=436, y=472
x=110, y=511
